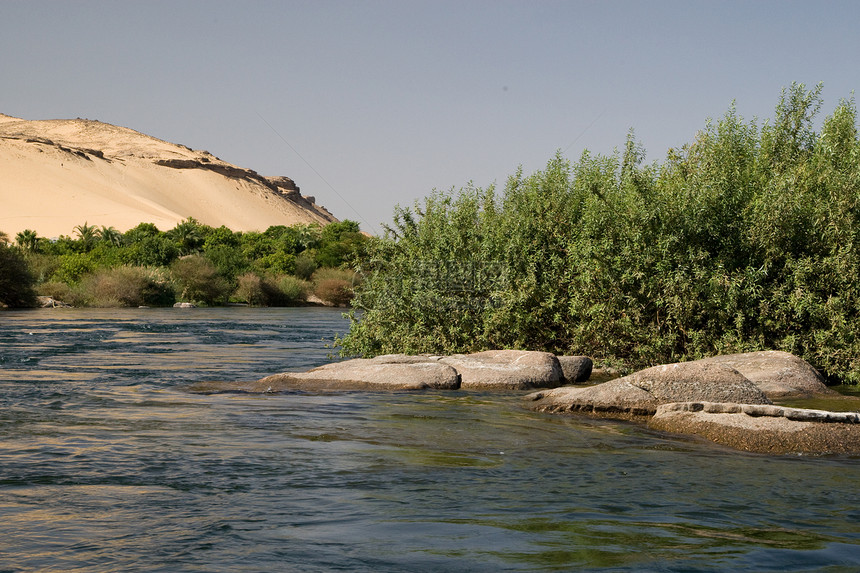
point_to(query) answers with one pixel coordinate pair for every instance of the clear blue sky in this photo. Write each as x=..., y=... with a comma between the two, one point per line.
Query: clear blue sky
x=370, y=104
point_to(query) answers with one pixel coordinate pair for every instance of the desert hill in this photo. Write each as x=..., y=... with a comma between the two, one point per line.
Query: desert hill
x=56, y=174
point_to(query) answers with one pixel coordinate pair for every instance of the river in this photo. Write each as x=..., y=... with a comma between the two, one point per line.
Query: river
x=108, y=464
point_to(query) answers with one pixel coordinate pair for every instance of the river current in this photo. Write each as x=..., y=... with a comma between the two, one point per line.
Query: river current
x=108, y=464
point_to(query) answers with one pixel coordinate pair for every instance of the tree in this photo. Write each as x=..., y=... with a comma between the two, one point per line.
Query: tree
x=87, y=236
x=27, y=240
x=16, y=282
x=188, y=236
x=110, y=236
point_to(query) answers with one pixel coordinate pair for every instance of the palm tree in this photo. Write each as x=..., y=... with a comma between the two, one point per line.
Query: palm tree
x=188, y=236
x=4, y=238
x=87, y=235
x=28, y=240
x=110, y=235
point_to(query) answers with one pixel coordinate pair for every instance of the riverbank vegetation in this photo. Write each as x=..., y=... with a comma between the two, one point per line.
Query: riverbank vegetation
x=190, y=263
x=747, y=238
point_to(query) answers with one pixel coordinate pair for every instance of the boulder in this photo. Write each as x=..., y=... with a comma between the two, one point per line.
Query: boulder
x=778, y=374
x=575, y=369
x=51, y=302
x=390, y=372
x=763, y=429
x=506, y=369
x=640, y=394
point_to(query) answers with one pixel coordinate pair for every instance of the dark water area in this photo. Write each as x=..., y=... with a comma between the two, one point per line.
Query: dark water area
x=107, y=464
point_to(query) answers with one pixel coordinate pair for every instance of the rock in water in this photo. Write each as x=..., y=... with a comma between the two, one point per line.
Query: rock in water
x=507, y=369
x=778, y=374
x=763, y=429
x=640, y=393
x=575, y=369
x=391, y=372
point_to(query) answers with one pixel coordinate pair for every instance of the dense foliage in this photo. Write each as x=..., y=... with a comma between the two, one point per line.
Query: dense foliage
x=748, y=238
x=16, y=282
x=191, y=262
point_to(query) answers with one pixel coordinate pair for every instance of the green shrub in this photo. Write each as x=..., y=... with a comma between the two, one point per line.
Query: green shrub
x=228, y=261
x=42, y=266
x=305, y=266
x=126, y=286
x=198, y=280
x=16, y=281
x=149, y=251
x=745, y=239
x=285, y=290
x=250, y=290
x=72, y=268
x=346, y=275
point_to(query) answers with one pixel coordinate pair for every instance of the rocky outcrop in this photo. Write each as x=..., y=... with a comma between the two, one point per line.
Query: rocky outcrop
x=778, y=374
x=506, y=369
x=491, y=370
x=391, y=372
x=763, y=429
x=575, y=369
x=640, y=394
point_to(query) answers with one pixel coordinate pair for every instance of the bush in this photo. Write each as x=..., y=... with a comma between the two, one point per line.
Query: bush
x=228, y=261
x=285, y=290
x=250, y=290
x=16, y=282
x=57, y=290
x=72, y=268
x=199, y=281
x=41, y=266
x=745, y=239
x=149, y=251
x=305, y=266
x=126, y=286
x=334, y=286
x=337, y=292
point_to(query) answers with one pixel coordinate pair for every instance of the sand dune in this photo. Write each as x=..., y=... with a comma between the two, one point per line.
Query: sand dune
x=56, y=174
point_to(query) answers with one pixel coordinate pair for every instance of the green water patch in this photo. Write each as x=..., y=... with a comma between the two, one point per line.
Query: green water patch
x=842, y=402
x=594, y=542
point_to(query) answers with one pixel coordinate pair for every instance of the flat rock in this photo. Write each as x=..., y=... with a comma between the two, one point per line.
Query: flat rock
x=640, y=394
x=506, y=369
x=389, y=372
x=763, y=428
x=778, y=374
x=575, y=369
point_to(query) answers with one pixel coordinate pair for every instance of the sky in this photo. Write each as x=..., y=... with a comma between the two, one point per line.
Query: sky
x=371, y=104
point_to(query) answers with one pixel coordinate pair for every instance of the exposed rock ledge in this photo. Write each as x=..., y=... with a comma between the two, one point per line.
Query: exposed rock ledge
x=641, y=393
x=726, y=399
x=713, y=399
x=392, y=372
x=491, y=370
x=763, y=428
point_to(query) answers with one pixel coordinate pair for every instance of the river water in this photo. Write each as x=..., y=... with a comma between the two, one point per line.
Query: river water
x=107, y=464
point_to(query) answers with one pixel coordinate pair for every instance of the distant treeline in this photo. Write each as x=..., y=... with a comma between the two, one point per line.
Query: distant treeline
x=747, y=238
x=191, y=263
